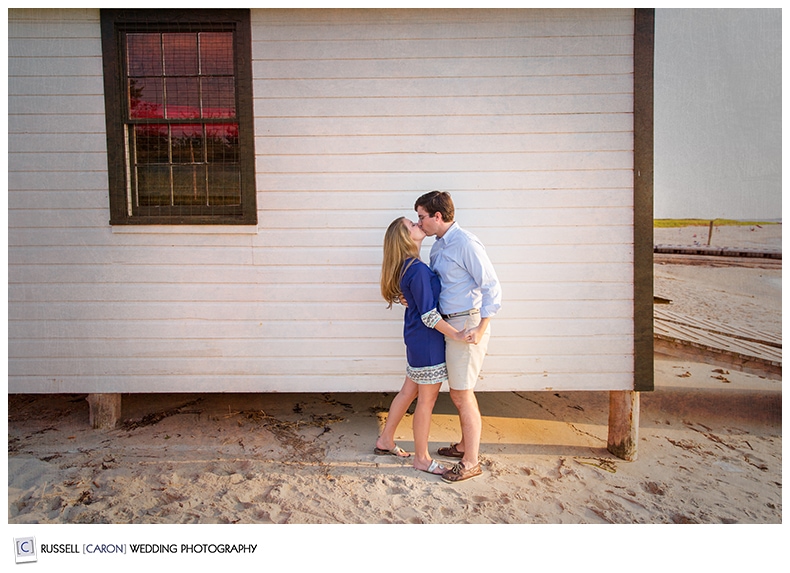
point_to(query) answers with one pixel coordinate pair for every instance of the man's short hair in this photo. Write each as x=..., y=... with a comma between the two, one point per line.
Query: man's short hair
x=437, y=202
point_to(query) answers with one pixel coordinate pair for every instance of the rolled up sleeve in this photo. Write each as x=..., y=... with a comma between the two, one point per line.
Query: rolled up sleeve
x=482, y=271
x=430, y=318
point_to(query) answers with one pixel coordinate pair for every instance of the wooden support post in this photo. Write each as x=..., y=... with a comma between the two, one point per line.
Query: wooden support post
x=623, y=424
x=105, y=410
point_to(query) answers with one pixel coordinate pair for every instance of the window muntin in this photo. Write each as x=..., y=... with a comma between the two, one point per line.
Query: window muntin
x=180, y=117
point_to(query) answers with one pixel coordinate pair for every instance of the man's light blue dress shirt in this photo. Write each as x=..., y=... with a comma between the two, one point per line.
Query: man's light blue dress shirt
x=467, y=275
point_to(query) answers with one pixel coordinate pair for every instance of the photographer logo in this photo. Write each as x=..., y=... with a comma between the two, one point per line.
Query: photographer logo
x=25, y=549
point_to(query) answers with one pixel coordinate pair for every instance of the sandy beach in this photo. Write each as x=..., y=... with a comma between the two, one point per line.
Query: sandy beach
x=710, y=443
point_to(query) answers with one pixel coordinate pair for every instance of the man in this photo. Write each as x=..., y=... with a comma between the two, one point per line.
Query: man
x=471, y=295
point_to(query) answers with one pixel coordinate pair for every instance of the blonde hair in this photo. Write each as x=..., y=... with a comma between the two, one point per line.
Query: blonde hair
x=398, y=246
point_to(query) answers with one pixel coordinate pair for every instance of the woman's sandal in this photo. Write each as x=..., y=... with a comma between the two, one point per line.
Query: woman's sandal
x=432, y=469
x=397, y=451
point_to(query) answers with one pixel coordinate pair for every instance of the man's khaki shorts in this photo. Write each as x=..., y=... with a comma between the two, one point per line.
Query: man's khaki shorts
x=464, y=360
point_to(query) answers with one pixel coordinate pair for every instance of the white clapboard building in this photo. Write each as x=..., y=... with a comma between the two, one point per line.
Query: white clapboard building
x=197, y=199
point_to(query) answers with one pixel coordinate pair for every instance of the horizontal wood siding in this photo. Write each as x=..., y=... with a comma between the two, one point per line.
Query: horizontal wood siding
x=525, y=116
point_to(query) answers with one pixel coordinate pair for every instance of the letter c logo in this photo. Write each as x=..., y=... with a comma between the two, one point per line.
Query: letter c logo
x=25, y=548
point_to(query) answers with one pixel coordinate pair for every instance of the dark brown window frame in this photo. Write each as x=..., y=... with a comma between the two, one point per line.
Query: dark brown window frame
x=114, y=23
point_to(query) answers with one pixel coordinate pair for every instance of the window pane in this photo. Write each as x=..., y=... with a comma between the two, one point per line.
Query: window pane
x=143, y=55
x=145, y=98
x=153, y=186
x=180, y=54
x=187, y=141
x=182, y=96
x=216, y=53
x=189, y=185
x=151, y=144
x=222, y=143
x=224, y=185
x=219, y=97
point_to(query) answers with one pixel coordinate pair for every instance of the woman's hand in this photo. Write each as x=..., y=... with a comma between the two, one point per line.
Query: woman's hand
x=459, y=336
x=450, y=332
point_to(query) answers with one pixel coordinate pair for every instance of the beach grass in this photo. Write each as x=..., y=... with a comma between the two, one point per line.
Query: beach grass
x=673, y=223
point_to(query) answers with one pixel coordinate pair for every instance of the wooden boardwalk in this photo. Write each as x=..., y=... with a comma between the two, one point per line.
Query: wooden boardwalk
x=719, y=343
x=718, y=251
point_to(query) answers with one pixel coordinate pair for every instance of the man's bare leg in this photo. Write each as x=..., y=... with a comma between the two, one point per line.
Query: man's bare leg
x=471, y=425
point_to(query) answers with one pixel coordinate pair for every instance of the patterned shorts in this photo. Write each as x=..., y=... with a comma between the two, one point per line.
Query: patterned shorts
x=428, y=374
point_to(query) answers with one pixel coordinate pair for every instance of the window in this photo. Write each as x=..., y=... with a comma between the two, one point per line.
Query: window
x=178, y=95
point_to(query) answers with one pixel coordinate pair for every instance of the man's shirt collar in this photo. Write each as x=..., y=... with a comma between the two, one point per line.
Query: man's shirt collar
x=449, y=232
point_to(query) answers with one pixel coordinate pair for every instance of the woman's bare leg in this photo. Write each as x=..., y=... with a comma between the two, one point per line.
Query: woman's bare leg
x=400, y=404
x=421, y=424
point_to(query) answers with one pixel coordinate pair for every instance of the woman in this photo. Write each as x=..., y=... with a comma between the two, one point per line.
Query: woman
x=402, y=272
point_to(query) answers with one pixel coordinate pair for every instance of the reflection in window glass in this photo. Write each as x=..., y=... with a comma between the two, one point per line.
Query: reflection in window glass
x=181, y=78
x=146, y=98
x=153, y=186
x=144, y=54
x=181, y=57
x=151, y=143
x=189, y=185
x=216, y=53
x=219, y=97
x=224, y=184
x=187, y=143
x=183, y=98
x=222, y=143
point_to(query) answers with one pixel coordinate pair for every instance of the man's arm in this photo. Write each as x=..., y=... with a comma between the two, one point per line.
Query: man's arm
x=479, y=267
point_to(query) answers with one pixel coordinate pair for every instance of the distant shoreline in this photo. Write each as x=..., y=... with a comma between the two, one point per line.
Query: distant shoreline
x=672, y=223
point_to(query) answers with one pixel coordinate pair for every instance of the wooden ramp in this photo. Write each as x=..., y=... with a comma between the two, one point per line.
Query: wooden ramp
x=714, y=342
